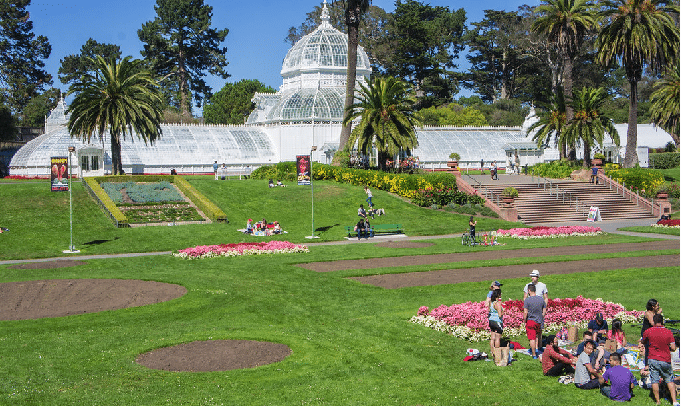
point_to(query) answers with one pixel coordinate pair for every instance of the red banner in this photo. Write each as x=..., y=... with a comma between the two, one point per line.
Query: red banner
x=303, y=165
x=59, y=177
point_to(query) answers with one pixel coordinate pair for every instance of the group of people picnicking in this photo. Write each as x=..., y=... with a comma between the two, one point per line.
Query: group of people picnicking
x=278, y=184
x=591, y=365
x=263, y=227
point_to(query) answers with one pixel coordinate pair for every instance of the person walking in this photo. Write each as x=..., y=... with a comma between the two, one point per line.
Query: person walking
x=534, y=311
x=482, y=166
x=215, y=169
x=369, y=196
x=471, y=224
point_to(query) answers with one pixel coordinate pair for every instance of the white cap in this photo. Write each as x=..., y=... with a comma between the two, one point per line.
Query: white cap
x=535, y=273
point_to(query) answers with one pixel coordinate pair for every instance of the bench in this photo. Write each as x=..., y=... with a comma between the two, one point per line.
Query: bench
x=377, y=229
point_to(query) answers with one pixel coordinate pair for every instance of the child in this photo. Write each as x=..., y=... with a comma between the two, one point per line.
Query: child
x=617, y=334
x=249, y=226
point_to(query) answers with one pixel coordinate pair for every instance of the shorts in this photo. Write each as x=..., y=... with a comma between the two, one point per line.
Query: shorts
x=533, y=329
x=660, y=369
x=496, y=327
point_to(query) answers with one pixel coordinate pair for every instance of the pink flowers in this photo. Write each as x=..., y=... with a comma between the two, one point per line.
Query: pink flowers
x=550, y=232
x=469, y=320
x=244, y=248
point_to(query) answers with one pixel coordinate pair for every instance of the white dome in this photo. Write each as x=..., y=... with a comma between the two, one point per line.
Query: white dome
x=324, y=49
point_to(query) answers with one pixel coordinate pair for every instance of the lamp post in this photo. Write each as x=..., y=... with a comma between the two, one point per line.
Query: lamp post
x=72, y=249
x=312, y=149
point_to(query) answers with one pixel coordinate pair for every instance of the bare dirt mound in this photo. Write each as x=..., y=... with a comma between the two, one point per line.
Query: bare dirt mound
x=66, y=297
x=214, y=355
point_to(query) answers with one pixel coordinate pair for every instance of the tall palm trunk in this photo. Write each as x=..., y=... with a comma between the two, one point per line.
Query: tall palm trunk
x=630, y=156
x=352, y=20
x=569, y=111
x=116, y=162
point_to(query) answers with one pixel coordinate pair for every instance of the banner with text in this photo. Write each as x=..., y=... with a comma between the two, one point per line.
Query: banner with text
x=59, y=178
x=303, y=165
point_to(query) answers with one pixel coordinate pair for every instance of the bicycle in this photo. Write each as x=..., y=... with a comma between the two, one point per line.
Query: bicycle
x=467, y=239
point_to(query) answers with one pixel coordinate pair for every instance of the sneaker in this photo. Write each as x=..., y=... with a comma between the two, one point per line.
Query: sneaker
x=534, y=357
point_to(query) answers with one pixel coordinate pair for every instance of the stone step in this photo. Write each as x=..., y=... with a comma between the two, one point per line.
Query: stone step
x=536, y=205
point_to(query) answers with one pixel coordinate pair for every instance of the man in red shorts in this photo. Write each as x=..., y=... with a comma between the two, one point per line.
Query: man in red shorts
x=533, y=315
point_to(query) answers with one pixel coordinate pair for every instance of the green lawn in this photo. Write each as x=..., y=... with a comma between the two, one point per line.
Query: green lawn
x=653, y=230
x=352, y=344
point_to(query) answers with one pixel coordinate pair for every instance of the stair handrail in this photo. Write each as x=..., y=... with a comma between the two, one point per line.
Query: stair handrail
x=489, y=194
x=636, y=198
x=554, y=189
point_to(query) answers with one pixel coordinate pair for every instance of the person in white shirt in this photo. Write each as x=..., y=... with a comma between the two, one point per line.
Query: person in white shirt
x=541, y=288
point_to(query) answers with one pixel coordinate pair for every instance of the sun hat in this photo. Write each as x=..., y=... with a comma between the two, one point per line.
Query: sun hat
x=535, y=273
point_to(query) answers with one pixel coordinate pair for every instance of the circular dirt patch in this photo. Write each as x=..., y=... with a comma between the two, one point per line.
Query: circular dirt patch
x=214, y=355
x=66, y=297
x=404, y=244
x=62, y=263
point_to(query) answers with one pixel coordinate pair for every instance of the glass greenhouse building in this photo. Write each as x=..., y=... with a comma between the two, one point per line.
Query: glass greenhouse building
x=307, y=111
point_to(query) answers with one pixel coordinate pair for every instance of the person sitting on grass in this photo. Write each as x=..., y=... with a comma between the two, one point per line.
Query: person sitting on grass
x=361, y=212
x=598, y=327
x=555, y=361
x=249, y=226
x=586, y=376
x=617, y=334
x=270, y=183
x=620, y=378
x=361, y=229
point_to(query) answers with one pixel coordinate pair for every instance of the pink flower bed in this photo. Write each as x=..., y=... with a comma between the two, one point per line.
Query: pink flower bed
x=469, y=320
x=550, y=232
x=244, y=248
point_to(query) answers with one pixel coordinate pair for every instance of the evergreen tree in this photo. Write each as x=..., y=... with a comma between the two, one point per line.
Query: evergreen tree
x=74, y=66
x=181, y=47
x=232, y=104
x=22, y=73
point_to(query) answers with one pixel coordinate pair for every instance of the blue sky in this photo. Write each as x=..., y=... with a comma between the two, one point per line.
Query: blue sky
x=257, y=29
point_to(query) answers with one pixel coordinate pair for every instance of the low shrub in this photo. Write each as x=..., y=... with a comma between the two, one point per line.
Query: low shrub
x=665, y=160
x=644, y=181
x=284, y=171
x=554, y=169
x=206, y=206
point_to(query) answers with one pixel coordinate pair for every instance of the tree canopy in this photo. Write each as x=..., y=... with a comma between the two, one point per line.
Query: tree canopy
x=74, y=66
x=22, y=56
x=386, y=118
x=232, y=104
x=420, y=47
x=181, y=48
x=119, y=97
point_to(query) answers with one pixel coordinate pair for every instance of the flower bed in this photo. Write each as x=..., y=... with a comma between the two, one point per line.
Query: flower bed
x=244, y=248
x=667, y=223
x=469, y=321
x=550, y=232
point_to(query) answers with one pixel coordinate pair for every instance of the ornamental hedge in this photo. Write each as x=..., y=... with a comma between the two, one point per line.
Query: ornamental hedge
x=665, y=160
x=644, y=181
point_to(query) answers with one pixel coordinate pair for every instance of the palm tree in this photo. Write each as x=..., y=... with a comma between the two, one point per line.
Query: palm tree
x=639, y=33
x=551, y=122
x=387, y=119
x=122, y=98
x=353, y=14
x=664, y=110
x=565, y=23
x=589, y=124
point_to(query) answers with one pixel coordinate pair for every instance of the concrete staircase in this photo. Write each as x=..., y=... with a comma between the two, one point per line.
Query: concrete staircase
x=537, y=205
